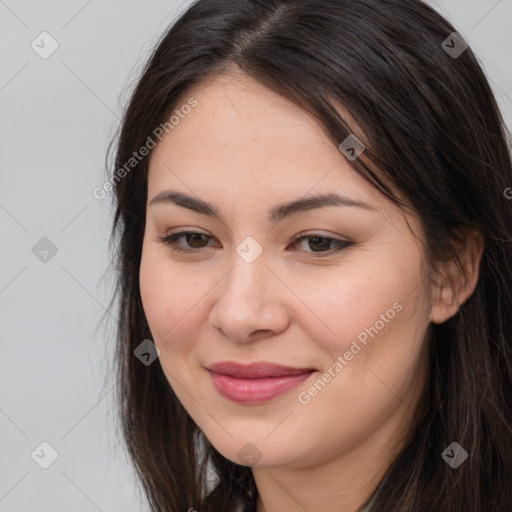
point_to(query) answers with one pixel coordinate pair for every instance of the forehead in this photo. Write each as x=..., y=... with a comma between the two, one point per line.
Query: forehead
x=248, y=149
x=236, y=112
x=242, y=130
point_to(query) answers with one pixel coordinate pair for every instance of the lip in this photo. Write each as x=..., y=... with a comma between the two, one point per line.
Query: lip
x=257, y=382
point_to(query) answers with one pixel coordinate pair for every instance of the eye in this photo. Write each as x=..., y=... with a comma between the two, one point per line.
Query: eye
x=194, y=238
x=320, y=244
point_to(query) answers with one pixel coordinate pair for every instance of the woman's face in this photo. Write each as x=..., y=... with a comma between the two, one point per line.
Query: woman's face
x=332, y=291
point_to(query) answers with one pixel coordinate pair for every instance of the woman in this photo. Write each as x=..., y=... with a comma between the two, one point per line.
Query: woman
x=316, y=269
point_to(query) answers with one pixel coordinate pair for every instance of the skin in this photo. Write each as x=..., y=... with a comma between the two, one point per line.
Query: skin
x=246, y=149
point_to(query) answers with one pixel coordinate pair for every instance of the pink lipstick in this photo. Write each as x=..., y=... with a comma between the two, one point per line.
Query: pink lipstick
x=257, y=382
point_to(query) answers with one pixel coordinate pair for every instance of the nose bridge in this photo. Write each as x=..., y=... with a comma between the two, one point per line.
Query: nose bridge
x=249, y=275
x=247, y=300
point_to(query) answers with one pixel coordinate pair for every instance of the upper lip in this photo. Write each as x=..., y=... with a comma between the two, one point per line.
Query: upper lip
x=255, y=370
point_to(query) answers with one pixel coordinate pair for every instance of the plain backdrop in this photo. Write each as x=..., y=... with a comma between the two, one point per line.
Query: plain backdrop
x=58, y=115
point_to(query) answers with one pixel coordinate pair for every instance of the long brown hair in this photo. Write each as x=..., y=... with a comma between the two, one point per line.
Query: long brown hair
x=435, y=135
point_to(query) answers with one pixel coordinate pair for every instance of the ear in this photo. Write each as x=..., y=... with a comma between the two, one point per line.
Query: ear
x=457, y=278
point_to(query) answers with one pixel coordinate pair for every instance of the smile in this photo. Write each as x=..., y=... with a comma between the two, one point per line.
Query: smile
x=255, y=383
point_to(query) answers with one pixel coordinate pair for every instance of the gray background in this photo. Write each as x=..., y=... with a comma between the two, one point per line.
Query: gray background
x=57, y=116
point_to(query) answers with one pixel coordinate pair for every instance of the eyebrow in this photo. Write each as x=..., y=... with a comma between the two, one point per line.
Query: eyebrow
x=276, y=214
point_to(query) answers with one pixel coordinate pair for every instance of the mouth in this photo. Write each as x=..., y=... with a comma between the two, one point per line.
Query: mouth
x=256, y=382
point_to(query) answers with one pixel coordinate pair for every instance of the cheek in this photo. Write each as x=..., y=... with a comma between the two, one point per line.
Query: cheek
x=170, y=298
x=372, y=302
x=380, y=365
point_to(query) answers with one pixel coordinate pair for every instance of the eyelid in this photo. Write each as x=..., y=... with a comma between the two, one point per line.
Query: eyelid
x=320, y=234
x=170, y=238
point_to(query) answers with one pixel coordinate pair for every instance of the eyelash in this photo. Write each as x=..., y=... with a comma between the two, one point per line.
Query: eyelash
x=341, y=244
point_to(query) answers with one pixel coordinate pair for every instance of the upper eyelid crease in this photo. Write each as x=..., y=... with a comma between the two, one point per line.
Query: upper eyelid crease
x=276, y=214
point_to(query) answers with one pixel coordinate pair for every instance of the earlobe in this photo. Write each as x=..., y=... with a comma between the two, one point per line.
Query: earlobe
x=458, y=279
x=444, y=305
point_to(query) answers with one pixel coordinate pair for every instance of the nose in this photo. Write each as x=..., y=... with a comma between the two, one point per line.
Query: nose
x=250, y=303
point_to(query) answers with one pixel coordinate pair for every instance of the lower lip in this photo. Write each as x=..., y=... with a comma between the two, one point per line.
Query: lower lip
x=254, y=391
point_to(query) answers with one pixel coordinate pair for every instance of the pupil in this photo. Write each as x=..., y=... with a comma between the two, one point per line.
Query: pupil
x=316, y=238
x=194, y=235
